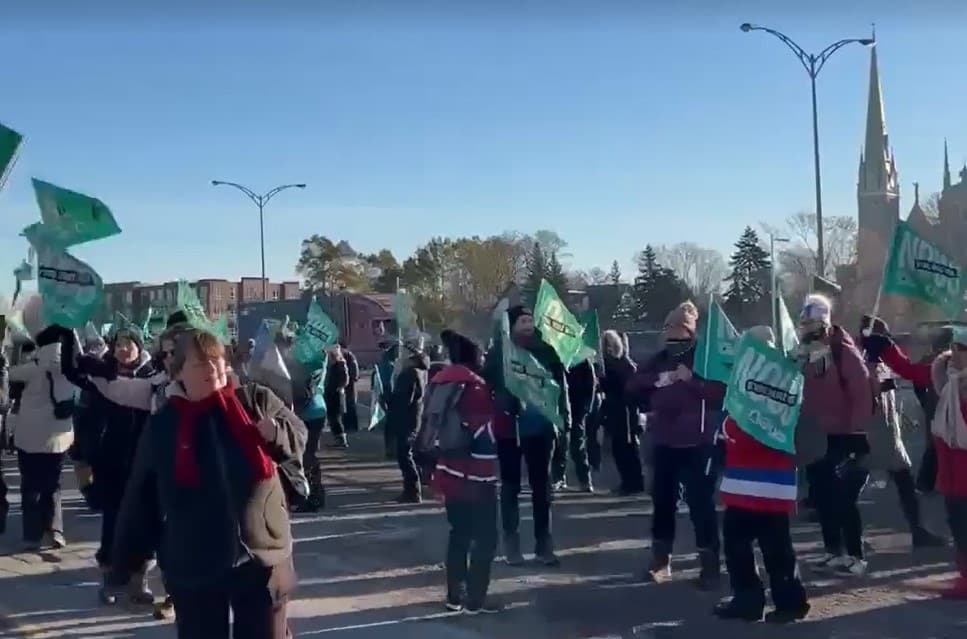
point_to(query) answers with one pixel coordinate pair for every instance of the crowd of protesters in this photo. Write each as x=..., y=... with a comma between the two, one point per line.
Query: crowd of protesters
x=195, y=460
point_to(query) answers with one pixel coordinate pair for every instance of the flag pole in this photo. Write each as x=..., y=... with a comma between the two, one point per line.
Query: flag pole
x=708, y=349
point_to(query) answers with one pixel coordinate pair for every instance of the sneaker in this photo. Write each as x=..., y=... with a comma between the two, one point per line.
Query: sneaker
x=485, y=608
x=409, y=498
x=512, y=550
x=165, y=609
x=852, y=567
x=559, y=485
x=453, y=606
x=587, y=487
x=830, y=562
x=735, y=609
x=544, y=553
x=779, y=617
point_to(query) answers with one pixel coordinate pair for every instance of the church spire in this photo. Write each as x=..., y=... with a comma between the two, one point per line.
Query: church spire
x=946, y=166
x=878, y=174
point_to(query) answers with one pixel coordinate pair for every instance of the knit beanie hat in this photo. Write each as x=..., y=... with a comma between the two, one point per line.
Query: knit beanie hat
x=514, y=313
x=816, y=309
x=685, y=315
x=461, y=349
x=132, y=334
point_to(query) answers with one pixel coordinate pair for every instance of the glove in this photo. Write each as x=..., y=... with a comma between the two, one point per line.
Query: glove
x=874, y=344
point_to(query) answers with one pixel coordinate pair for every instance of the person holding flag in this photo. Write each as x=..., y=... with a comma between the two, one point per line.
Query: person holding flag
x=759, y=493
x=947, y=374
x=525, y=432
x=838, y=396
x=680, y=404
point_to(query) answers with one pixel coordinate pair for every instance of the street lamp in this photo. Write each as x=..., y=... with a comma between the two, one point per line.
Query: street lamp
x=813, y=63
x=773, y=240
x=260, y=201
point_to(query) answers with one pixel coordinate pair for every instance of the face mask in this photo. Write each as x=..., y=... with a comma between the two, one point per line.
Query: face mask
x=678, y=347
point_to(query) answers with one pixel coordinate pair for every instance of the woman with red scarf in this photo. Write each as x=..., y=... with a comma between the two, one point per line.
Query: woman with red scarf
x=207, y=465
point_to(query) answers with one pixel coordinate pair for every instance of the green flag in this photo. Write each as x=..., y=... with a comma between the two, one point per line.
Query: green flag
x=918, y=269
x=558, y=326
x=527, y=380
x=10, y=142
x=317, y=334
x=788, y=338
x=73, y=218
x=591, y=339
x=376, y=412
x=715, y=347
x=765, y=393
x=403, y=312
x=71, y=290
x=187, y=301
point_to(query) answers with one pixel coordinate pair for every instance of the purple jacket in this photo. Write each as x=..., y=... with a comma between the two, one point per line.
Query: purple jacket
x=675, y=410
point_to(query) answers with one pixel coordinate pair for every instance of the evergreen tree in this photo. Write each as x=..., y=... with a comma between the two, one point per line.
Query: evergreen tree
x=657, y=289
x=536, y=271
x=749, y=280
x=614, y=276
x=556, y=276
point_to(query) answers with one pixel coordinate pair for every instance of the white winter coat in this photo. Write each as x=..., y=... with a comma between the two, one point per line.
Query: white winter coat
x=37, y=430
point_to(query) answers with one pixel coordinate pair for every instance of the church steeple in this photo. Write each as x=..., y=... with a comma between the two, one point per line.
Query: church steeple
x=877, y=166
x=946, y=166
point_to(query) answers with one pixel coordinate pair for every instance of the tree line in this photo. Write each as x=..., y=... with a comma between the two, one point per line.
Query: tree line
x=448, y=277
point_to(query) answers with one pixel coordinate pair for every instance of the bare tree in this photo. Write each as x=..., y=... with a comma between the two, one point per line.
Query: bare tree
x=702, y=269
x=797, y=258
x=597, y=276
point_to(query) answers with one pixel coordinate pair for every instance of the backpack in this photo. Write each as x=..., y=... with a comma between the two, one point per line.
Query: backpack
x=291, y=474
x=442, y=431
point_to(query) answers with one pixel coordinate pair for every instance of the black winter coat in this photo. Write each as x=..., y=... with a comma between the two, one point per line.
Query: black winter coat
x=581, y=384
x=337, y=379
x=620, y=417
x=406, y=402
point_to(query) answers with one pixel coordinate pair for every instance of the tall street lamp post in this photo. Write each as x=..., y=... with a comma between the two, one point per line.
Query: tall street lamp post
x=773, y=287
x=260, y=201
x=813, y=63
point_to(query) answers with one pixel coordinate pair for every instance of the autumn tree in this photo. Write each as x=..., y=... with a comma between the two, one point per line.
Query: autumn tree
x=328, y=266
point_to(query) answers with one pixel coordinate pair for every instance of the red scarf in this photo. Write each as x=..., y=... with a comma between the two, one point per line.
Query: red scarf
x=239, y=424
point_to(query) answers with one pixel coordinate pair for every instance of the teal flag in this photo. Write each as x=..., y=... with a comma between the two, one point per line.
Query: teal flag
x=765, y=393
x=591, y=339
x=72, y=218
x=71, y=290
x=403, y=313
x=527, y=380
x=317, y=334
x=788, y=338
x=10, y=142
x=919, y=270
x=557, y=325
x=187, y=301
x=715, y=347
x=376, y=412
x=316, y=408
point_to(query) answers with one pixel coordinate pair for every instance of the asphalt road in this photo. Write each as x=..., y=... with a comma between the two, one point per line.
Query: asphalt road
x=370, y=569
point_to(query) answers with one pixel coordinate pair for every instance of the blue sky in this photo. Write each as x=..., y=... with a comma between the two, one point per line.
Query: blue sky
x=613, y=123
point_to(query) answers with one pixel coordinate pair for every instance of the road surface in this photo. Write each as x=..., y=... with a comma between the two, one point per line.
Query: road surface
x=370, y=569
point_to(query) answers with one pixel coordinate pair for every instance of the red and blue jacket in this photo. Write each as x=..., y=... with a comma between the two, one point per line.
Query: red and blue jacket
x=756, y=477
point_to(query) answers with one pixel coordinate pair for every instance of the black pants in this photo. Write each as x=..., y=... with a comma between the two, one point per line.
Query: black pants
x=4, y=504
x=839, y=480
x=257, y=597
x=927, y=474
x=536, y=451
x=407, y=464
x=40, y=493
x=311, y=464
x=574, y=440
x=593, y=429
x=906, y=490
x=471, y=549
x=351, y=416
x=334, y=421
x=740, y=529
x=694, y=470
x=624, y=449
x=389, y=440
x=957, y=518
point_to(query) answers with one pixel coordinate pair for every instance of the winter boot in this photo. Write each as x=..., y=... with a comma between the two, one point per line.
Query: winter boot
x=788, y=615
x=544, y=552
x=165, y=609
x=710, y=575
x=745, y=606
x=512, y=549
x=660, y=567
x=139, y=593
